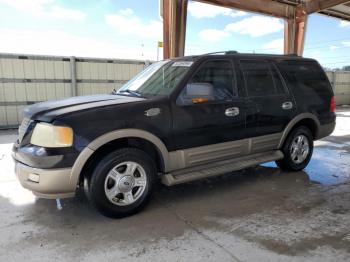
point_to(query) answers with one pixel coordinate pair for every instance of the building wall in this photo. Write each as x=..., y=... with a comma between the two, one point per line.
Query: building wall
x=25, y=80
x=341, y=86
x=28, y=79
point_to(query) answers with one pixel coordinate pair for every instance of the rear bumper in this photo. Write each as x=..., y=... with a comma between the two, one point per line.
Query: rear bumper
x=46, y=183
x=325, y=130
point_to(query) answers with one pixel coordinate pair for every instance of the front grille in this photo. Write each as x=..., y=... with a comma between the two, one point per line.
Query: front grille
x=23, y=128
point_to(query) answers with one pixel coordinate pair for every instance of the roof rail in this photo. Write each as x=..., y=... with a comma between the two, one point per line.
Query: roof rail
x=292, y=54
x=230, y=52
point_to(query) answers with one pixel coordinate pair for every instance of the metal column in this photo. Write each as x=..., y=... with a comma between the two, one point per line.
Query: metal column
x=174, y=13
x=73, y=76
x=294, y=32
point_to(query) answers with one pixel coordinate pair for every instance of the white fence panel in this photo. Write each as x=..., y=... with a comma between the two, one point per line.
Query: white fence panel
x=342, y=87
x=25, y=80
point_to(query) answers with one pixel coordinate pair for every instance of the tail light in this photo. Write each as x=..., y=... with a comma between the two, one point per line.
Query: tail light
x=332, y=105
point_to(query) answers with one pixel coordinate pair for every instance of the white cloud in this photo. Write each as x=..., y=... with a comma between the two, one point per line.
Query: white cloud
x=275, y=46
x=333, y=47
x=202, y=10
x=344, y=23
x=127, y=23
x=253, y=26
x=127, y=11
x=344, y=44
x=45, y=8
x=59, y=12
x=315, y=55
x=256, y=26
x=66, y=44
x=213, y=35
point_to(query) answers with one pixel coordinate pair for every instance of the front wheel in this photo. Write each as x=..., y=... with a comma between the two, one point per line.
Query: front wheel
x=121, y=184
x=297, y=150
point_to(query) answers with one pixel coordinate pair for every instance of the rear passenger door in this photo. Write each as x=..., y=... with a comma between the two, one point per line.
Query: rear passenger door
x=274, y=105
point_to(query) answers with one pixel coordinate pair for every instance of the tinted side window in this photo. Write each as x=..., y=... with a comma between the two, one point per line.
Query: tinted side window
x=216, y=77
x=258, y=77
x=306, y=76
x=280, y=89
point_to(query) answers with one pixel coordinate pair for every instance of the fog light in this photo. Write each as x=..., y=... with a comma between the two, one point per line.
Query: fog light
x=34, y=178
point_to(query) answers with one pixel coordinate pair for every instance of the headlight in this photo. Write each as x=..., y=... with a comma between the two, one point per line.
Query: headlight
x=47, y=135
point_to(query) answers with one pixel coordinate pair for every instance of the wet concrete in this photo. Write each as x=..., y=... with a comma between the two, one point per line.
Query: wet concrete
x=260, y=214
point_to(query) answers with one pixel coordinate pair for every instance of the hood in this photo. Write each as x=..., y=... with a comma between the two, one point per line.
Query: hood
x=47, y=111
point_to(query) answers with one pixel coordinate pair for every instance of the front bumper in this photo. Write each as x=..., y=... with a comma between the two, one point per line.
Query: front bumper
x=48, y=183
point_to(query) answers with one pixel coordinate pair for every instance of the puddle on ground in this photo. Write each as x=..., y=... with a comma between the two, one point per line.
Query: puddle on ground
x=327, y=166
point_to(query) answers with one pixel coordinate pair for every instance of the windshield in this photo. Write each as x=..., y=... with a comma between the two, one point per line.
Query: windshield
x=158, y=79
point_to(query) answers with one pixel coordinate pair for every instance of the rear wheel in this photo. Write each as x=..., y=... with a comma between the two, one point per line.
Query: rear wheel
x=122, y=183
x=297, y=150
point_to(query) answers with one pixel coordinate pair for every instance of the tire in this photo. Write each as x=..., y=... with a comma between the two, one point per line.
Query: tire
x=297, y=150
x=122, y=182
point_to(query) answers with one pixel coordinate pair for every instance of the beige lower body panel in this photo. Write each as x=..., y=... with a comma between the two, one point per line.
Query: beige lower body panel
x=62, y=183
x=181, y=159
x=51, y=184
x=219, y=167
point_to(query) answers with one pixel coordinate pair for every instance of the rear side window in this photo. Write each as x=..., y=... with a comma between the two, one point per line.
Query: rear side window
x=307, y=76
x=261, y=78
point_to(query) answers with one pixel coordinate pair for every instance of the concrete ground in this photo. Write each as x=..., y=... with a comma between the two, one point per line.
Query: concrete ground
x=257, y=214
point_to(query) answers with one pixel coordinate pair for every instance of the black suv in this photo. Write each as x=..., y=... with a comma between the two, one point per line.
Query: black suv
x=179, y=120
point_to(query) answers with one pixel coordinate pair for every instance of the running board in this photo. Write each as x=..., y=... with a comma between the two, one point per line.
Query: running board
x=219, y=168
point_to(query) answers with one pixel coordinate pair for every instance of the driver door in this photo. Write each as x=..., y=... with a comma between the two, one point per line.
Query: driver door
x=209, y=110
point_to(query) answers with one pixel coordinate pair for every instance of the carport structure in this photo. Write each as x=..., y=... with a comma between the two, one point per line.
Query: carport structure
x=294, y=13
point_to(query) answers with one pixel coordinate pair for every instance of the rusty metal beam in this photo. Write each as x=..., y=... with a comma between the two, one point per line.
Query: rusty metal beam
x=300, y=30
x=336, y=14
x=266, y=7
x=289, y=28
x=174, y=14
x=313, y=6
x=166, y=27
x=294, y=32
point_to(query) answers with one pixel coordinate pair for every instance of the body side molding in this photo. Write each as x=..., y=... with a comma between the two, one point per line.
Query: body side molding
x=219, y=167
x=202, y=155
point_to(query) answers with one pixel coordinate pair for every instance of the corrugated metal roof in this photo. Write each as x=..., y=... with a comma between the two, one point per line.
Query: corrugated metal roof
x=283, y=8
x=341, y=11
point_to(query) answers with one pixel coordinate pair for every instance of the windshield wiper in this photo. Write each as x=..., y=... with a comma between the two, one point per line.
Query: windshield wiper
x=138, y=94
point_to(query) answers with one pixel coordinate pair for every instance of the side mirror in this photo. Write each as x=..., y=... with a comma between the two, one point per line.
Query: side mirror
x=199, y=92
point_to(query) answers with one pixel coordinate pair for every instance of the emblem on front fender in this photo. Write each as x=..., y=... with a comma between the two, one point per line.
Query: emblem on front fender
x=152, y=112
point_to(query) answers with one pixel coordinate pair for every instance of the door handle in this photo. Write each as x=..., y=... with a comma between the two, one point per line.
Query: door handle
x=287, y=105
x=232, y=111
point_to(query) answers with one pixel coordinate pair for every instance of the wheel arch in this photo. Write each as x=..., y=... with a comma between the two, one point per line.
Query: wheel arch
x=305, y=119
x=126, y=137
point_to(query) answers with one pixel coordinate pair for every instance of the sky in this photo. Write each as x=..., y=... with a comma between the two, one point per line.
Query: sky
x=131, y=30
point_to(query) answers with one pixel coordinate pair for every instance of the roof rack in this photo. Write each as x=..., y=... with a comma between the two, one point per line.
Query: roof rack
x=230, y=52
